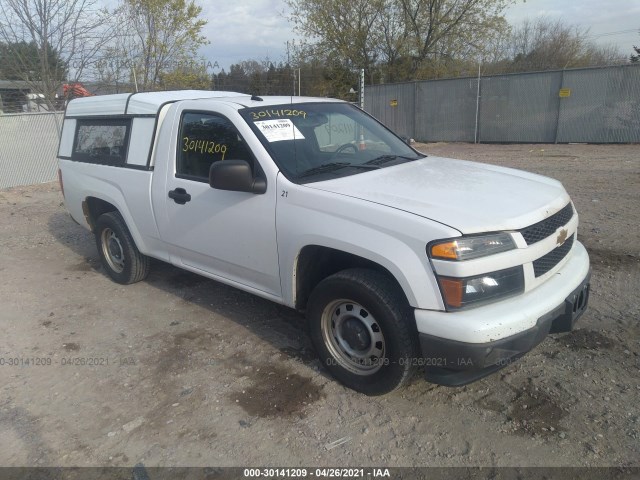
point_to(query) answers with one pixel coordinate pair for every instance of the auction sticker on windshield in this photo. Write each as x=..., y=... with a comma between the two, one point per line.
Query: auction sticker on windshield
x=278, y=130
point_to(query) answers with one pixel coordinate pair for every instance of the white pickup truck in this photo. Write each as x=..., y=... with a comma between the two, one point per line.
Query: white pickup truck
x=398, y=259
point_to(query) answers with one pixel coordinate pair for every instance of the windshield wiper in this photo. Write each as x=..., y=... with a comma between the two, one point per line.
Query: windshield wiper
x=327, y=167
x=388, y=158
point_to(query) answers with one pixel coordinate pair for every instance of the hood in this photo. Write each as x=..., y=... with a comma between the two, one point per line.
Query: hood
x=468, y=196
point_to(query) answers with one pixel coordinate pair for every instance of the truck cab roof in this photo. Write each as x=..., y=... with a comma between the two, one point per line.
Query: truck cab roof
x=150, y=103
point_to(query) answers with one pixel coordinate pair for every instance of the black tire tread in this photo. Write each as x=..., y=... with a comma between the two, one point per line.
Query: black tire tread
x=388, y=292
x=139, y=264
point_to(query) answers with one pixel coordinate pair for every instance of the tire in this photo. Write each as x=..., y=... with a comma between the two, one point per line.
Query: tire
x=119, y=255
x=363, y=330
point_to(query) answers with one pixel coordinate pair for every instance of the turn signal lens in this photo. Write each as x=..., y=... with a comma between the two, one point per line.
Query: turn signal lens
x=452, y=291
x=445, y=250
x=473, y=291
x=467, y=248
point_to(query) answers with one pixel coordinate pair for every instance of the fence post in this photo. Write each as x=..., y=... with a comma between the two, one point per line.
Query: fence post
x=559, y=107
x=415, y=110
x=361, y=88
x=475, y=134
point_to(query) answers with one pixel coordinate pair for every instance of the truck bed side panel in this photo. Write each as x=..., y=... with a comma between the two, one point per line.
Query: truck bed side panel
x=129, y=190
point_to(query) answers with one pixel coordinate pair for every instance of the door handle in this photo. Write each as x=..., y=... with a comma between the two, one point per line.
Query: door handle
x=180, y=196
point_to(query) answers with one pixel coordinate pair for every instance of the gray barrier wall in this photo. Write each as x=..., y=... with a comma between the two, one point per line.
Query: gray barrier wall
x=28, y=148
x=598, y=105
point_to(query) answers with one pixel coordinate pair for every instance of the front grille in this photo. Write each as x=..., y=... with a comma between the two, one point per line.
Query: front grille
x=541, y=230
x=551, y=259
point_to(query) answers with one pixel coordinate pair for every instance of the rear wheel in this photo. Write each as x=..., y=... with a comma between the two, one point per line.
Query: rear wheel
x=363, y=330
x=120, y=257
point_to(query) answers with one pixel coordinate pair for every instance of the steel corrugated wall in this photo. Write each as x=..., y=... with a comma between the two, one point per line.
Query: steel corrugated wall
x=28, y=148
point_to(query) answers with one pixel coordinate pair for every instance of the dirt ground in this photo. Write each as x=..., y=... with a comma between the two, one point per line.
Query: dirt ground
x=179, y=370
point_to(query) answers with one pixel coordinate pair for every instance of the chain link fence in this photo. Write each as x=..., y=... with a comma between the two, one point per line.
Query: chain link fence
x=28, y=148
x=591, y=105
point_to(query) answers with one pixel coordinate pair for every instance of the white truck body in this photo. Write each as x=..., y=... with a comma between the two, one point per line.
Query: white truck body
x=386, y=219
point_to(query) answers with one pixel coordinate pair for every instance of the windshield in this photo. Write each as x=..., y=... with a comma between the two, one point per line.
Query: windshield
x=318, y=141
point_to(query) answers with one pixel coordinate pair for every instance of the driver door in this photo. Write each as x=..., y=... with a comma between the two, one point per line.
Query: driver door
x=226, y=234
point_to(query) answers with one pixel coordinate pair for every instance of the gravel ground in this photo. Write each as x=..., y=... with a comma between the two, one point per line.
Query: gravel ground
x=179, y=370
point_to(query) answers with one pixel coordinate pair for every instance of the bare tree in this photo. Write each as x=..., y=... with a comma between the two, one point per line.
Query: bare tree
x=157, y=43
x=401, y=39
x=546, y=44
x=340, y=31
x=441, y=30
x=72, y=30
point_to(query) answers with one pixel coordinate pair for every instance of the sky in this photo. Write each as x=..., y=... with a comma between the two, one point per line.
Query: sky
x=614, y=22
x=245, y=30
x=258, y=29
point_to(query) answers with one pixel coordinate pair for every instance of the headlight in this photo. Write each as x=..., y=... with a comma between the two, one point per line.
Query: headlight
x=466, y=248
x=472, y=291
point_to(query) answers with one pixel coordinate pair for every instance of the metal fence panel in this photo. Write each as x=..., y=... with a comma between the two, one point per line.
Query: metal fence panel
x=394, y=105
x=446, y=110
x=28, y=148
x=519, y=108
x=603, y=106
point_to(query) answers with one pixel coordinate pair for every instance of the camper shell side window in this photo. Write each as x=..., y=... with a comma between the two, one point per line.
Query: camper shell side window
x=103, y=141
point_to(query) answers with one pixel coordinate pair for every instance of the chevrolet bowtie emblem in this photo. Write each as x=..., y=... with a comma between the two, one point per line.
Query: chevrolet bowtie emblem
x=562, y=236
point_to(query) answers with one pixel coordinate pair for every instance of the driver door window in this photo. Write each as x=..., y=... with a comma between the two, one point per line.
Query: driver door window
x=206, y=138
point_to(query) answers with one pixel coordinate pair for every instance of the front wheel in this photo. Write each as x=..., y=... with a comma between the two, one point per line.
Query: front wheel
x=118, y=252
x=363, y=330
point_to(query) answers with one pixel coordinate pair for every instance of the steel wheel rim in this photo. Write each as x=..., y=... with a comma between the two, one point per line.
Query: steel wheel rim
x=344, y=321
x=112, y=250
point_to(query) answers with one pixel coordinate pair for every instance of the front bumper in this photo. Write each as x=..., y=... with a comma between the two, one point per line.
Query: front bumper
x=453, y=362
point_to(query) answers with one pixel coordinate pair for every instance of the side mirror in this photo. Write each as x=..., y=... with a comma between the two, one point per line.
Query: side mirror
x=236, y=176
